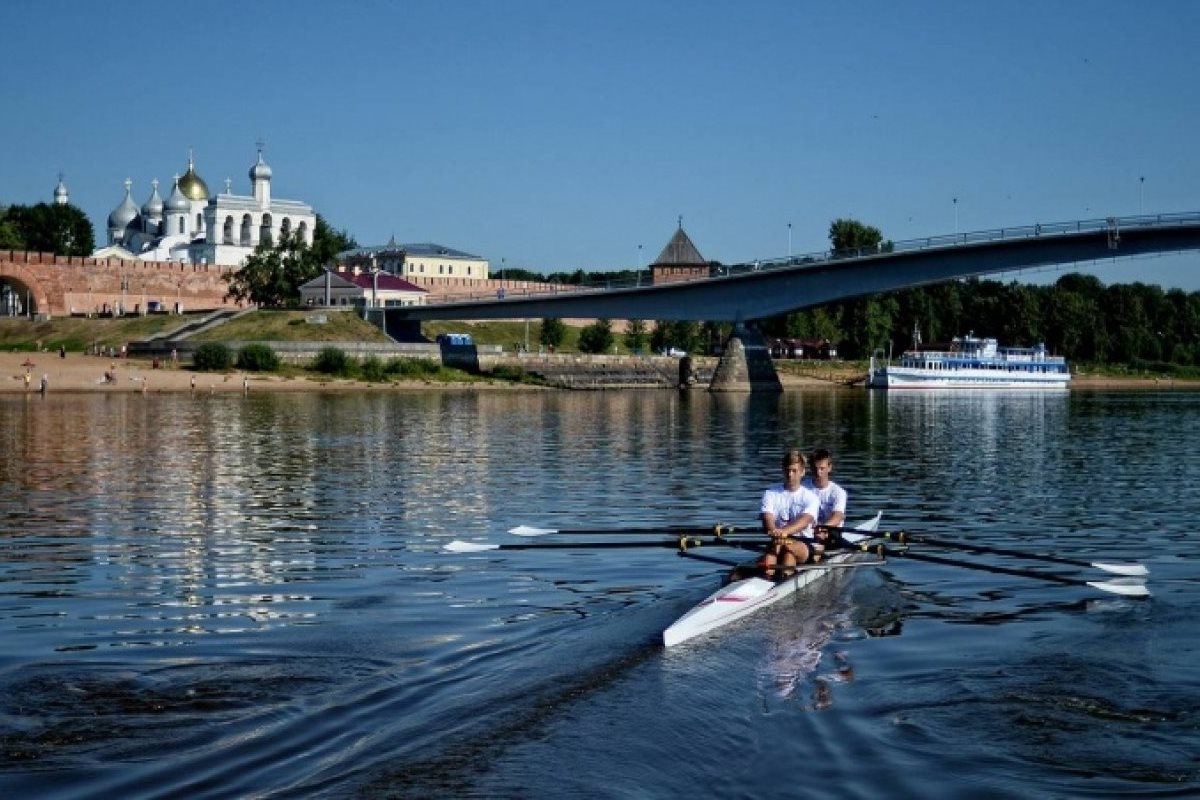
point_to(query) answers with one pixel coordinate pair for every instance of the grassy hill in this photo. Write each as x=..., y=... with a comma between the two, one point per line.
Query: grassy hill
x=294, y=326
x=78, y=334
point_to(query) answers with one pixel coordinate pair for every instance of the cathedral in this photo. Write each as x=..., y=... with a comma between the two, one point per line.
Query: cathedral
x=193, y=227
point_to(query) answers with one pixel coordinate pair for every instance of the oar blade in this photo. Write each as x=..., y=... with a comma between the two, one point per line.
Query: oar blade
x=527, y=530
x=1130, y=570
x=458, y=546
x=1122, y=586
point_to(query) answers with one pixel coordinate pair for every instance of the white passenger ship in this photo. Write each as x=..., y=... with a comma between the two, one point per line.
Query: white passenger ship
x=972, y=363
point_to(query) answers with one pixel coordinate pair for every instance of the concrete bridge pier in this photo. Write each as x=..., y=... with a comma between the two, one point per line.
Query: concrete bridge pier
x=746, y=365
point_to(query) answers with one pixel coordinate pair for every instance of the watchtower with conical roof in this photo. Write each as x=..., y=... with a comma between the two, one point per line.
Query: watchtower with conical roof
x=679, y=260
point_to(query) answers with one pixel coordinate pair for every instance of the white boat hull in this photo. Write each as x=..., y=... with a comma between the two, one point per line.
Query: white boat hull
x=892, y=377
x=742, y=598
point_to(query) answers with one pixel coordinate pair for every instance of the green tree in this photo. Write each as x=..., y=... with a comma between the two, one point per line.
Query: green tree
x=849, y=237
x=44, y=228
x=597, y=337
x=684, y=335
x=327, y=242
x=636, y=336
x=553, y=332
x=871, y=322
x=271, y=277
x=714, y=335
x=10, y=235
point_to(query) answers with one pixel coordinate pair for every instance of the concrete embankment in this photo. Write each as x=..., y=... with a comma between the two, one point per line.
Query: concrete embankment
x=565, y=370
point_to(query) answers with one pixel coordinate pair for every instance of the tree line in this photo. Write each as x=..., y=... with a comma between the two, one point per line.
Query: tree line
x=1077, y=317
x=63, y=230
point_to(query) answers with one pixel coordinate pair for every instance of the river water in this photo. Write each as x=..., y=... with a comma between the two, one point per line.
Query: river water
x=225, y=596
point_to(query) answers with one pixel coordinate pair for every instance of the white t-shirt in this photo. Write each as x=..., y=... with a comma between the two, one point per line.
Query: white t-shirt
x=833, y=498
x=788, y=506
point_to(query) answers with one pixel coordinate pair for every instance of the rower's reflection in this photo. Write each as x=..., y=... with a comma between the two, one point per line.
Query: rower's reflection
x=803, y=659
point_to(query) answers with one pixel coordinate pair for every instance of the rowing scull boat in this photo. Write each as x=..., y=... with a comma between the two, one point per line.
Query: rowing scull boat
x=741, y=598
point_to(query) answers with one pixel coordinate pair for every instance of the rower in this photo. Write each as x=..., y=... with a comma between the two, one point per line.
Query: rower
x=833, y=497
x=788, y=511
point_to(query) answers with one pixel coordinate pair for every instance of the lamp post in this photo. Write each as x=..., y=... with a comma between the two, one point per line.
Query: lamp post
x=637, y=268
x=789, y=242
x=956, y=217
x=1141, y=194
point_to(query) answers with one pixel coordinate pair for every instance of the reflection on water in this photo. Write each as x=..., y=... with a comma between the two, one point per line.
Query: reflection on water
x=253, y=588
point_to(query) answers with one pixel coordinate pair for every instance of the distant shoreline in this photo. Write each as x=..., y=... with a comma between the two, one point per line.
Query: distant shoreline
x=78, y=373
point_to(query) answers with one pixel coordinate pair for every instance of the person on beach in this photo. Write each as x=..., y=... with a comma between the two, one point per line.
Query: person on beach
x=788, y=511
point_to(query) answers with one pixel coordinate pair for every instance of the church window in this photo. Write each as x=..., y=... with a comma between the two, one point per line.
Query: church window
x=450, y=269
x=247, y=231
x=227, y=234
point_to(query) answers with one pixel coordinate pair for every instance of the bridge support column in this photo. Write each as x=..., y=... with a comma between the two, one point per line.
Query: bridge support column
x=746, y=365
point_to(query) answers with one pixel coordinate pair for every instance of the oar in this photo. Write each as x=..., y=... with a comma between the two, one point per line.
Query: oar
x=1130, y=570
x=711, y=559
x=458, y=546
x=1123, y=586
x=526, y=530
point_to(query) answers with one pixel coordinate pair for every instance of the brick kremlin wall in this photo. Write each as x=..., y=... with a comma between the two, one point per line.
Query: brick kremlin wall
x=59, y=285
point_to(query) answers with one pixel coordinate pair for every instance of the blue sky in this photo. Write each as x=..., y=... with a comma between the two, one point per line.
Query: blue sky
x=562, y=135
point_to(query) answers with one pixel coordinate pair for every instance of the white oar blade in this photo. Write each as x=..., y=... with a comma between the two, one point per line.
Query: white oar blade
x=458, y=546
x=1129, y=588
x=1132, y=570
x=525, y=530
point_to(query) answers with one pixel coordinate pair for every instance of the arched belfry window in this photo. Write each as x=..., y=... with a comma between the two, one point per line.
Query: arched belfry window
x=227, y=233
x=247, y=238
x=285, y=227
x=264, y=230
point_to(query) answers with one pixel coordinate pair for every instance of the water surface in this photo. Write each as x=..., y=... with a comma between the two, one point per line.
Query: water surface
x=245, y=596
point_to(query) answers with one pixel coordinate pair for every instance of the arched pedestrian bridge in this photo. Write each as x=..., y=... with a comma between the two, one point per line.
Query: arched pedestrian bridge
x=745, y=292
x=764, y=289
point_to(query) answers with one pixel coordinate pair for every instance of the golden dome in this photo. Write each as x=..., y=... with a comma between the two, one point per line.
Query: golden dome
x=192, y=185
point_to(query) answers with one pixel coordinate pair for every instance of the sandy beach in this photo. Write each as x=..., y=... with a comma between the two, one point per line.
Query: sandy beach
x=84, y=373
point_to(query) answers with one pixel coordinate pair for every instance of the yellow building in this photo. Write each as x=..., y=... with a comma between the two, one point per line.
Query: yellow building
x=425, y=260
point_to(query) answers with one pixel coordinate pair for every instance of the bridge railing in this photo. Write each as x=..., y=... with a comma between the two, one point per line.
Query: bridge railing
x=1038, y=230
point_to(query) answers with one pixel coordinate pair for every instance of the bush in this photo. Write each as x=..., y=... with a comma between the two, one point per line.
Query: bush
x=332, y=361
x=257, y=358
x=212, y=357
x=372, y=369
x=413, y=368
